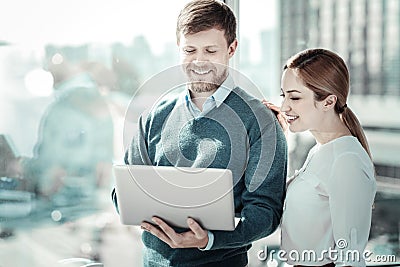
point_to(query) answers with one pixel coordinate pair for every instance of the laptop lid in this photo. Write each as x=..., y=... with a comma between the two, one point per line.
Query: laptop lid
x=174, y=194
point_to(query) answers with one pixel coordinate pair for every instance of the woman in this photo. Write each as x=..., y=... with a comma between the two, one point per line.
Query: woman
x=327, y=213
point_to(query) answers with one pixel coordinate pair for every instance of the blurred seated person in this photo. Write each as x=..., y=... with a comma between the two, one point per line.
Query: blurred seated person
x=74, y=151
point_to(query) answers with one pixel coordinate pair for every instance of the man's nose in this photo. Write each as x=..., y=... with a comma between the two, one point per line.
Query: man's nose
x=200, y=59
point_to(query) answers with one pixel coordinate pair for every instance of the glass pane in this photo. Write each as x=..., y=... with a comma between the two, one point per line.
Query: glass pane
x=68, y=70
x=258, y=44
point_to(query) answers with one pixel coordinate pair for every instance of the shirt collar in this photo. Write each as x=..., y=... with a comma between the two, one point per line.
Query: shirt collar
x=223, y=91
x=218, y=96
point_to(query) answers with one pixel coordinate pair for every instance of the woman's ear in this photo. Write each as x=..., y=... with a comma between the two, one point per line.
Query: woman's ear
x=330, y=102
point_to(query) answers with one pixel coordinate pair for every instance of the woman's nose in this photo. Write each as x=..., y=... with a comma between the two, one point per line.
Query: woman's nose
x=285, y=106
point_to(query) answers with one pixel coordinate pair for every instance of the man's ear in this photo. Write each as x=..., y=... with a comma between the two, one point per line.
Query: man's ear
x=329, y=102
x=232, y=48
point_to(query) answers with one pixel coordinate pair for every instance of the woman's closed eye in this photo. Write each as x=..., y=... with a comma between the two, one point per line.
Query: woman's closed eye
x=291, y=98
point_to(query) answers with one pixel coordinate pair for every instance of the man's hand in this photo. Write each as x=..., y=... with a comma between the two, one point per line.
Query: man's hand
x=196, y=237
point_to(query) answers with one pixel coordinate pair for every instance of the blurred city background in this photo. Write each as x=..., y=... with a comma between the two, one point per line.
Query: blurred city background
x=70, y=69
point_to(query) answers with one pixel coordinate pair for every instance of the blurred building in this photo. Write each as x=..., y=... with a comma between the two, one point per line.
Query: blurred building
x=366, y=33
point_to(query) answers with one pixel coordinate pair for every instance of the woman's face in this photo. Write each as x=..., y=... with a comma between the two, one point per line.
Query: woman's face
x=302, y=111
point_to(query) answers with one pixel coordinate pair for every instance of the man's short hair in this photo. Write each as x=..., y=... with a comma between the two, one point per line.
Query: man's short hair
x=201, y=15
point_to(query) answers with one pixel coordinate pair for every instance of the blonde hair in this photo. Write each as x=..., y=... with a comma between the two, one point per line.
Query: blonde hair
x=325, y=73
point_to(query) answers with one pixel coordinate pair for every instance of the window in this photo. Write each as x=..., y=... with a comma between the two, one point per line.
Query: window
x=68, y=70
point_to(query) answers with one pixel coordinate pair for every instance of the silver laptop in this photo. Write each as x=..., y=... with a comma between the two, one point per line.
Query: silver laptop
x=174, y=194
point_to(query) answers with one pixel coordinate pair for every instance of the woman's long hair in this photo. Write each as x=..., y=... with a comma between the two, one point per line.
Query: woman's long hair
x=326, y=73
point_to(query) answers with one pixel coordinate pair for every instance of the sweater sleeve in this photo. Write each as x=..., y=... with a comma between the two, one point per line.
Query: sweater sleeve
x=264, y=192
x=351, y=189
x=137, y=154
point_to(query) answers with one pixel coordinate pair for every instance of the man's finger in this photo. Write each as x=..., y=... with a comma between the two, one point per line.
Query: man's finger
x=156, y=232
x=171, y=234
x=196, y=228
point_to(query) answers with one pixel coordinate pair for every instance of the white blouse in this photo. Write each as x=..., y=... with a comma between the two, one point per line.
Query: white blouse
x=327, y=211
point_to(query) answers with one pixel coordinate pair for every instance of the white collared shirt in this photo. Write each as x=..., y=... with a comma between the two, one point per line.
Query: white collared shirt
x=214, y=100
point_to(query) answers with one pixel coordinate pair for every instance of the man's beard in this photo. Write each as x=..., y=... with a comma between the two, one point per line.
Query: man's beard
x=201, y=85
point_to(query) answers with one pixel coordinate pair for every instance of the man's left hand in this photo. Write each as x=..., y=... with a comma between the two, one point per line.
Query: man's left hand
x=196, y=237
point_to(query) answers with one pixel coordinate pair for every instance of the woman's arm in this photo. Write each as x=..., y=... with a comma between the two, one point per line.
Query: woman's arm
x=351, y=188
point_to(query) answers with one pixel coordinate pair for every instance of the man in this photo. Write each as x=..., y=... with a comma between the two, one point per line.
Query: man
x=213, y=124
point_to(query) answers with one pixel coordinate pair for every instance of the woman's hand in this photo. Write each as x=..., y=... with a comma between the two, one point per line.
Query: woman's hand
x=279, y=115
x=196, y=237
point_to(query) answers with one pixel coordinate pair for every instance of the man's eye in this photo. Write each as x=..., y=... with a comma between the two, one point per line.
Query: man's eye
x=188, y=51
x=295, y=98
x=211, y=51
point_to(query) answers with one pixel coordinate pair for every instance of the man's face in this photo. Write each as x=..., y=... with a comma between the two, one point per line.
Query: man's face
x=205, y=57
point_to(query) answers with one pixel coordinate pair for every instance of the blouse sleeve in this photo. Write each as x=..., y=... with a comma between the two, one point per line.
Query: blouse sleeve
x=351, y=189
